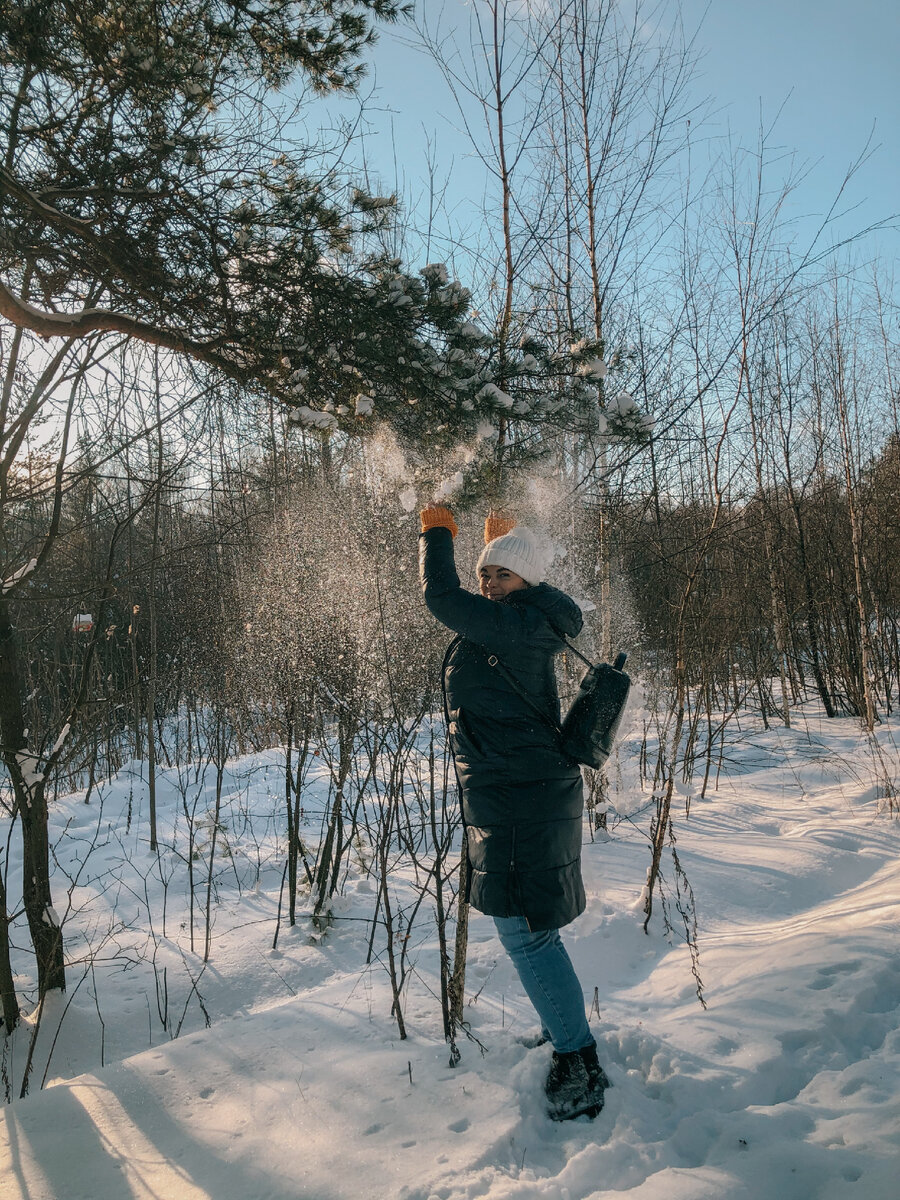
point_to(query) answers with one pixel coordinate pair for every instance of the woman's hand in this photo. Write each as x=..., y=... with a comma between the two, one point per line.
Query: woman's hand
x=496, y=525
x=437, y=516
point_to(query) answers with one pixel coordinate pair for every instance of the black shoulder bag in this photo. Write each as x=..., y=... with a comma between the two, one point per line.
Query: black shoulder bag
x=589, y=728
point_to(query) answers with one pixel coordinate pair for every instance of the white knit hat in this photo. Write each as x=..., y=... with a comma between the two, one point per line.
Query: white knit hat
x=518, y=551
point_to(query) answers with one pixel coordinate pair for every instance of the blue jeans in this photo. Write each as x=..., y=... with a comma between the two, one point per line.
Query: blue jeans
x=549, y=980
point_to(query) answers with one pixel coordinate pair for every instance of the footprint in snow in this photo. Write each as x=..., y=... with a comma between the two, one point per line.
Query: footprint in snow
x=841, y=968
x=796, y=1039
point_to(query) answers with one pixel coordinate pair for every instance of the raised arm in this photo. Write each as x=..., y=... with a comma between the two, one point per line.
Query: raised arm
x=502, y=629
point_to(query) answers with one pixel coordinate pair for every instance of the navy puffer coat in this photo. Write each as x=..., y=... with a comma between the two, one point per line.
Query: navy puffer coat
x=522, y=799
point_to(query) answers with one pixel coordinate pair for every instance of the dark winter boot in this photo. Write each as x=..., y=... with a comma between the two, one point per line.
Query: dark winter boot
x=568, y=1089
x=575, y=1085
x=598, y=1080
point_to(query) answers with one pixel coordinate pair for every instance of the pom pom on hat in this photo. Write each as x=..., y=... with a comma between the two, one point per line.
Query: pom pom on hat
x=517, y=551
x=496, y=525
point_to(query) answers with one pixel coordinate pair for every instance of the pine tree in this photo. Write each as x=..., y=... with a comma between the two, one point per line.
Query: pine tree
x=151, y=186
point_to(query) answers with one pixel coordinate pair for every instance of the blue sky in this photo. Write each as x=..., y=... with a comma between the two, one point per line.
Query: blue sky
x=820, y=74
x=832, y=65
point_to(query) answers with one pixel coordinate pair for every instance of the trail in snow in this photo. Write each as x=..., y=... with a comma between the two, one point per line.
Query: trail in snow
x=785, y=1088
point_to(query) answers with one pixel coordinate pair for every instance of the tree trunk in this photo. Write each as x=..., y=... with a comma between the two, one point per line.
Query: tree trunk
x=812, y=618
x=458, y=979
x=46, y=935
x=9, y=1004
x=31, y=804
x=865, y=653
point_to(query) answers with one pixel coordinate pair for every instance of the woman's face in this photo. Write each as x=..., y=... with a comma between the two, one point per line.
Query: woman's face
x=497, y=582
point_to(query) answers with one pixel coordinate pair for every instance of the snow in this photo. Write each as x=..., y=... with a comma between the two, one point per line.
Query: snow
x=436, y=273
x=408, y=499
x=304, y=415
x=491, y=392
x=623, y=404
x=61, y=740
x=18, y=576
x=30, y=766
x=51, y=917
x=594, y=368
x=454, y=295
x=448, y=487
x=471, y=332
x=787, y=1087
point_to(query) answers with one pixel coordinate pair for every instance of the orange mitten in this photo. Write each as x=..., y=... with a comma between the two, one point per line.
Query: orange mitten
x=495, y=526
x=435, y=516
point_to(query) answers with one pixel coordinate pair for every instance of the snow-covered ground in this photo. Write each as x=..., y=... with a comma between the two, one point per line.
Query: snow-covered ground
x=787, y=1087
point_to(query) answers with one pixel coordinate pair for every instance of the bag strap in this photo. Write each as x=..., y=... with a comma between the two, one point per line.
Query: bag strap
x=494, y=661
x=587, y=662
x=618, y=665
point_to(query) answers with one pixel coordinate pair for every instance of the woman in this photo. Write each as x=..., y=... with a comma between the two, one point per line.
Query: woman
x=522, y=798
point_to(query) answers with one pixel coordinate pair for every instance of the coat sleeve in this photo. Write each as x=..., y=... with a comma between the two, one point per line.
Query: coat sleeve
x=500, y=628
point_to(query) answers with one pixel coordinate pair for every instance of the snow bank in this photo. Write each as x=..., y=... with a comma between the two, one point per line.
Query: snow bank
x=785, y=1088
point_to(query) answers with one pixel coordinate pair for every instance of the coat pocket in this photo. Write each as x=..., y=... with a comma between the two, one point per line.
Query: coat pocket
x=462, y=736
